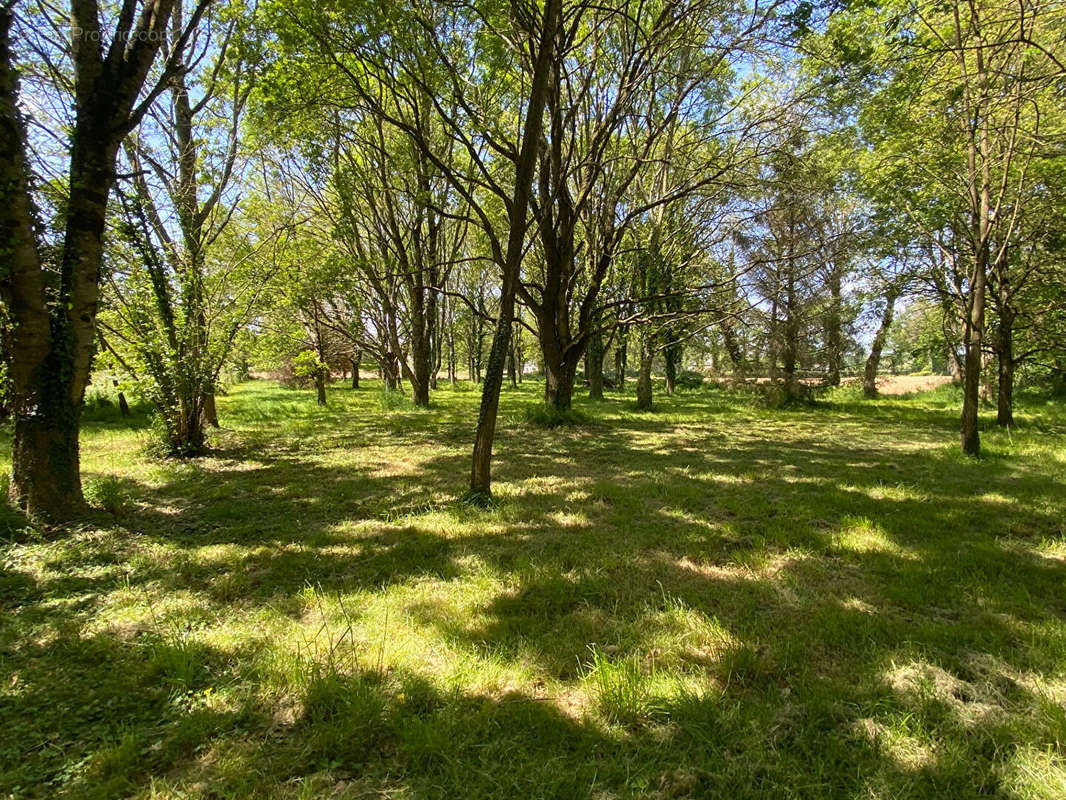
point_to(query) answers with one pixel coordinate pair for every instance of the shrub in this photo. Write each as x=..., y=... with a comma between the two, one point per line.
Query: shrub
x=97, y=399
x=545, y=416
x=393, y=400
x=845, y=393
x=689, y=379
x=108, y=494
x=777, y=395
x=157, y=442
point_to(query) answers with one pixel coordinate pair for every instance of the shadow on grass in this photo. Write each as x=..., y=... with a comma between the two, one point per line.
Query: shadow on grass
x=829, y=616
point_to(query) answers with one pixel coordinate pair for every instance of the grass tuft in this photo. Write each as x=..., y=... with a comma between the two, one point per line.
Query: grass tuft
x=618, y=687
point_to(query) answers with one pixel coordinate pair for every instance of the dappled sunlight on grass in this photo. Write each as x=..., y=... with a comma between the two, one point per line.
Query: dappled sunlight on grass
x=712, y=599
x=860, y=535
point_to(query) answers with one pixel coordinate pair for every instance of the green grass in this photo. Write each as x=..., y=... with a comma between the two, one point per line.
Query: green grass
x=712, y=600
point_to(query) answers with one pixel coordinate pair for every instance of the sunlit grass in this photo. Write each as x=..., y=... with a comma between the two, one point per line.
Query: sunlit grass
x=713, y=599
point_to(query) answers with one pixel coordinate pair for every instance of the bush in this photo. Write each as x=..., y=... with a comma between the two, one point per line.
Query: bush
x=850, y=392
x=778, y=396
x=775, y=396
x=108, y=494
x=157, y=443
x=689, y=379
x=97, y=399
x=545, y=416
x=460, y=385
x=394, y=400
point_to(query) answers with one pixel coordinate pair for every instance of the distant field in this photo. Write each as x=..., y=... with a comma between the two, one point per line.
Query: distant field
x=906, y=384
x=712, y=600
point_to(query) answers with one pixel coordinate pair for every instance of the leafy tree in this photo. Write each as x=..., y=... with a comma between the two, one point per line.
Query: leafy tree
x=51, y=289
x=178, y=297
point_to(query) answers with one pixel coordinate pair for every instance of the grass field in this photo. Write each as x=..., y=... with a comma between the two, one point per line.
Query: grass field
x=713, y=600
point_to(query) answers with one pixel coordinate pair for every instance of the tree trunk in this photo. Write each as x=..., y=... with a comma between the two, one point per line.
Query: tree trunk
x=1005, y=361
x=873, y=361
x=481, y=463
x=421, y=347
x=519, y=352
x=559, y=383
x=320, y=387
x=834, y=317
x=52, y=352
x=772, y=340
x=187, y=432
x=53, y=335
x=620, y=360
x=123, y=406
x=790, y=349
x=955, y=367
x=560, y=365
x=595, y=365
x=355, y=371
x=971, y=382
x=732, y=347
x=478, y=353
x=981, y=212
x=671, y=361
x=210, y=412
x=45, y=475
x=390, y=371
x=421, y=374
x=647, y=360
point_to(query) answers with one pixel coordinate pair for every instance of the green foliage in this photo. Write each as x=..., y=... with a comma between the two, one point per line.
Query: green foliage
x=916, y=341
x=5, y=389
x=776, y=395
x=308, y=367
x=689, y=379
x=109, y=494
x=543, y=415
x=850, y=392
x=157, y=440
x=393, y=400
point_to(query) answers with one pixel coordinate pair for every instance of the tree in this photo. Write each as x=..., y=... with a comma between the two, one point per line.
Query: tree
x=52, y=300
x=637, y=91
x=418, y=53
x=178, y=299
x=885, y=316
x=397, y=219
x=950, y=96
x=797, y=259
